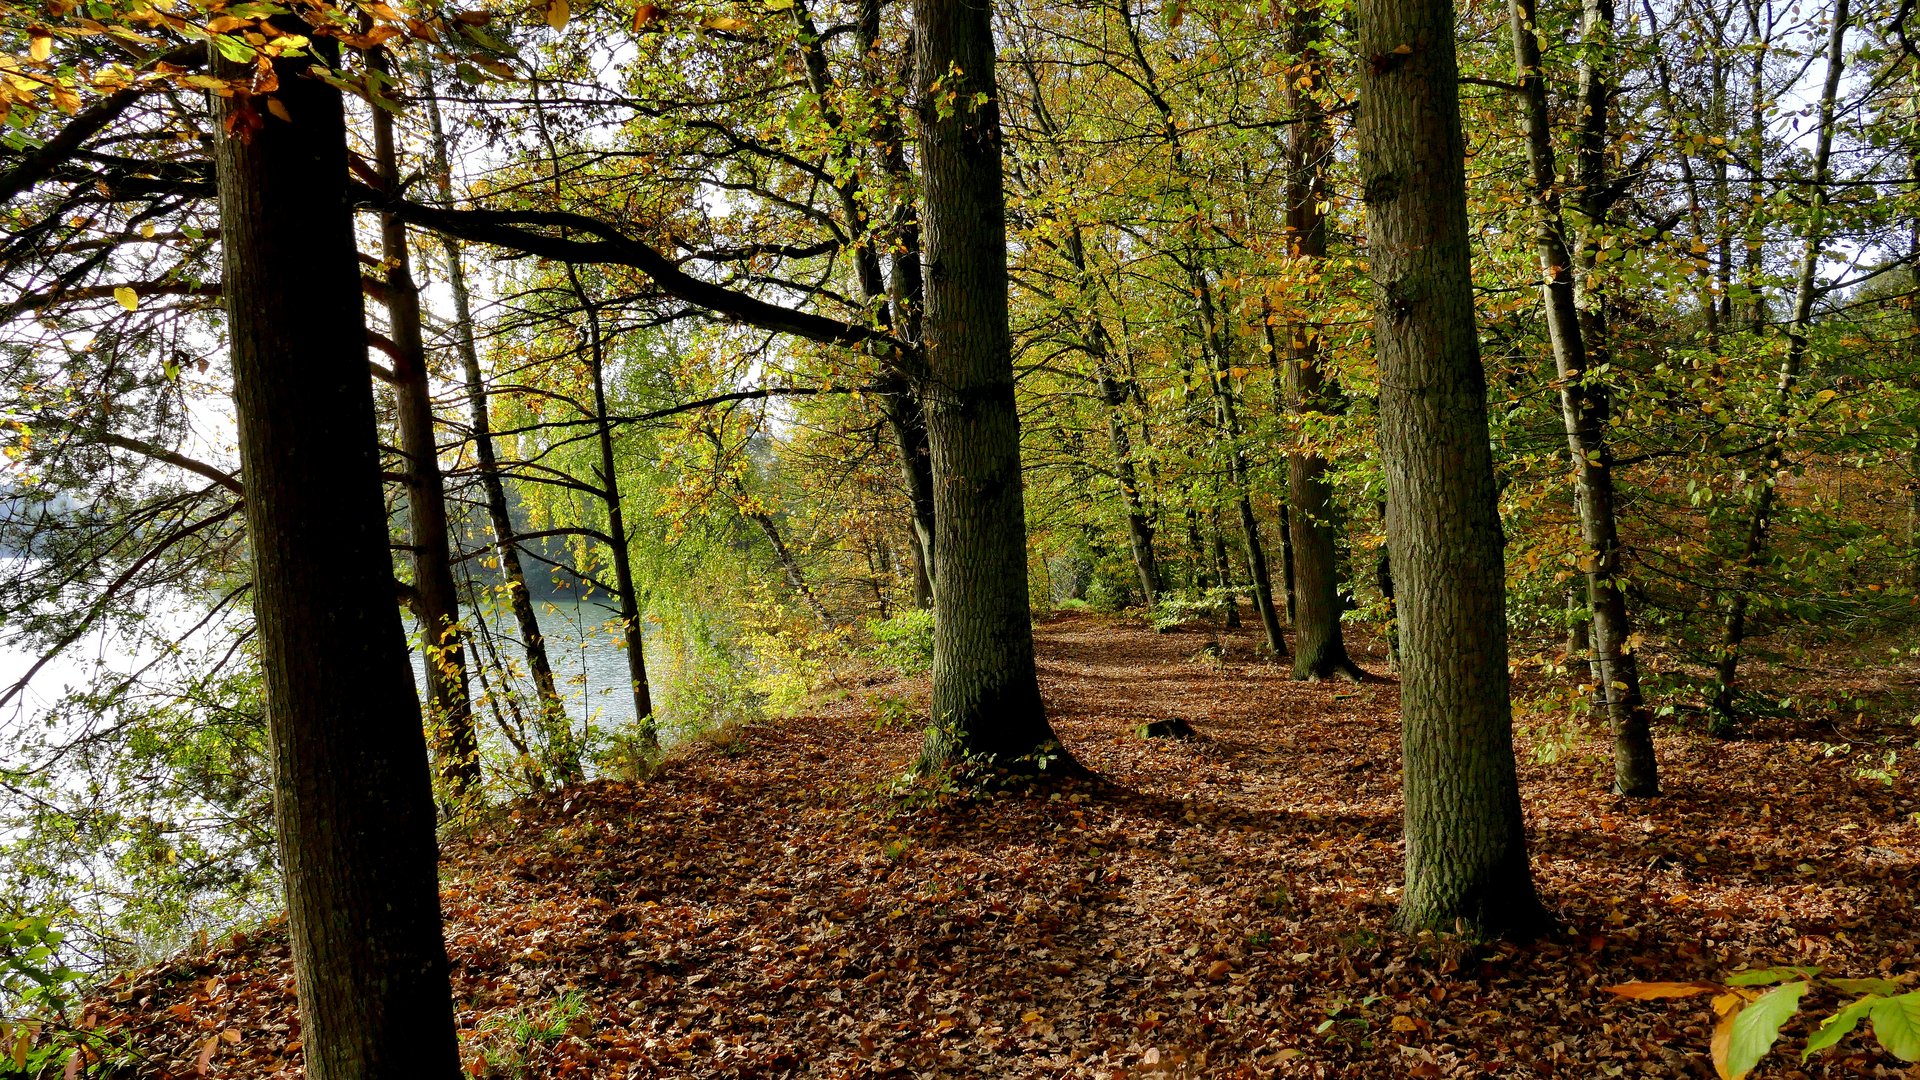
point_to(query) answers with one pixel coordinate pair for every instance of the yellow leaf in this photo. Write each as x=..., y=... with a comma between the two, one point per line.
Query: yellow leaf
x=558, y=12
x=127, y=297
x=1647, y=991
x=1404, y=1024
x=1402, y=50
x=496, y=67
x=40, y=47
x=726, y=24
x=232, y=1035
x=279, y=109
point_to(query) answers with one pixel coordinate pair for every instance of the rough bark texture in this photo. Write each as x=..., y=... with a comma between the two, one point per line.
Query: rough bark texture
x=561, y=754
x=1579, y=344
x=1722, y=712
x=353, y=802
x=986, y=698
x=456, y=746
x=1466, y=842
x=1320, y=649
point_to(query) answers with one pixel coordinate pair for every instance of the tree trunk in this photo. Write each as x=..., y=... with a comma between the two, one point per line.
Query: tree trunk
x=353, y=801
x=1320, y=648
x=1726, y=670
x=561, y=750
x=1223, y=569
x=436, y=599
x=1466, y=850
x=986, y=694
x=1139, y=524
x=631, y=626
x=1579, y=344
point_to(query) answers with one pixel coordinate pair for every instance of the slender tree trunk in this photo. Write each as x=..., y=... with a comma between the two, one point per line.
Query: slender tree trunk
x=986, y=694
x=437, y=600
x=909, y=424
x=1747, y=572
x=1578, y=339
x=1466, y=850
x=631, y=625
x=560, y=749
x=353, y=801
x=790, y=566
x=1223, y=569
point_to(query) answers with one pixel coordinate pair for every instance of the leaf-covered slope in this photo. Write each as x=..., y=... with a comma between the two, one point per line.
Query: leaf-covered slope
x=1218, y=908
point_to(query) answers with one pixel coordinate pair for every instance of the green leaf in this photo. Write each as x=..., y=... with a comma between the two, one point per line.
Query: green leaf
x=233, y=48
x=1885, y=987
x=1838, y=1026
x=1896, y=1023
x=1768, y=976
x=1757, y=1027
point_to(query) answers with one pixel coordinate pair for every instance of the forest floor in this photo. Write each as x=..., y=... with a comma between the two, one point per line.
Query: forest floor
x=768, y=907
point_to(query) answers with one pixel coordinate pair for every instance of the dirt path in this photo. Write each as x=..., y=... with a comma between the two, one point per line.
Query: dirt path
x=768, y=908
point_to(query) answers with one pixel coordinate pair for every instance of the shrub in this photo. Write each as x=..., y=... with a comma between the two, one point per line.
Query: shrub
x=904, y=642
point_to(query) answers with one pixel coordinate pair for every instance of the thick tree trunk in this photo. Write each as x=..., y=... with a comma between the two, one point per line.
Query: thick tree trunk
x=1747, y=571
x=353, y=802
x=1579, y=339
x=560, y=750
x=436, y=599
x=986, y=694
x=1466, y=842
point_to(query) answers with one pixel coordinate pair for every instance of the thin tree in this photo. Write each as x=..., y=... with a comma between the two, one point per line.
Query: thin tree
x=436, y=599
x=1576, y=326
x=1466, y=851
x=353, y=802
x=1805, y=289
x=560, y=749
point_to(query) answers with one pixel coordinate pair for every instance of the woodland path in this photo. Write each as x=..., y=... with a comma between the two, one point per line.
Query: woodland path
x=766, y=907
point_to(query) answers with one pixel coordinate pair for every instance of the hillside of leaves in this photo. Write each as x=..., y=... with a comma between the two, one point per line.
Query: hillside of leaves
x=771, y=904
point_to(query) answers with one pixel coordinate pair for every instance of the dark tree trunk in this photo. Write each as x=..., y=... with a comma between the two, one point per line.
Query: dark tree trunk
x=1466, y=855
x=1579, y=344
x=436, y=599
x=560, y=750
x=1223, y=569
x=986, y=694
x=609, y=484
x=1320, y=648
x=1139, y=523
x=909, y=424
x=353, y=801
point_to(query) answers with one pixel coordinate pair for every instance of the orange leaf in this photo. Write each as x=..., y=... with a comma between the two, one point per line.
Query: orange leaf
x=1648, y=991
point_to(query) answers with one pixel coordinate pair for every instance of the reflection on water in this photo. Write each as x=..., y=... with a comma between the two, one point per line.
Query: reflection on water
x=585, y=647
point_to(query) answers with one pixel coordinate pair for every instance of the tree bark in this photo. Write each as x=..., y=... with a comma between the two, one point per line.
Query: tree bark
x=986, y=694
x=1320, y=648
x=436, y=598
x=1579, y=343
x=1723, y=716
x=560, y=748
x=353, y=801
x=631, y=627
x=1466, y=853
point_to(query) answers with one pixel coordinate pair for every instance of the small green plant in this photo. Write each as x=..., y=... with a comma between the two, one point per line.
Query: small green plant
x=1751, y=1007
x=507, y=1041
x=891, y=712
x=904, y=642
